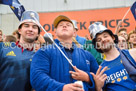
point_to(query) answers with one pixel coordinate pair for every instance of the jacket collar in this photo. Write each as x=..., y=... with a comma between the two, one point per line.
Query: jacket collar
x=60, y=45
x=20, y=46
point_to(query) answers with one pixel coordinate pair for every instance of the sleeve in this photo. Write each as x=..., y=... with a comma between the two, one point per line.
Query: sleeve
x=39, y=73
x=91, y=86
x=93, y=64
x=1, y=47
x=93, y=68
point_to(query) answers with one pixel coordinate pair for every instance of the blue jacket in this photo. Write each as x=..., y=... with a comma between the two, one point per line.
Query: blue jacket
x=50, y=70
x=80, y=40
x=14, y=68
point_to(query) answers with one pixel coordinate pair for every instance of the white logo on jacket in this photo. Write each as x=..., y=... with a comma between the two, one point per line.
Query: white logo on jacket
x=87, y=62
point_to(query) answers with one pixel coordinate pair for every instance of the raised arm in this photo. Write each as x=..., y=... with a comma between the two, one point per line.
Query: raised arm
x=117, y=28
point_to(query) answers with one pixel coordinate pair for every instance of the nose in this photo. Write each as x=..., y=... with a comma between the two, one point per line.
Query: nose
x=103, y=40
x=30, y=28
x=121, y=41
x=64, y=26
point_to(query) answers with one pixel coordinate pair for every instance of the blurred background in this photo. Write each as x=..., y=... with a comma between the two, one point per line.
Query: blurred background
x=85, y=12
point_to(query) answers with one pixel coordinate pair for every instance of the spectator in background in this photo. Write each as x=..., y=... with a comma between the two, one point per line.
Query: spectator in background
x=1, y=34
x=123, y=32
x=16, y=34
x=90, y=47
x=47, y=39
x=41, y=39
x=39, y=43
x=80, y=40
x=122, y=42
x=15, y=59
x=132, y=39
x=10, y=38
x=87, y=37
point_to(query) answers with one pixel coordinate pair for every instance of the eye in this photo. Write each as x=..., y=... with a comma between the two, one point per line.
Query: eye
x=68, y=24
x=123, y=41
x=35, y=26
x=121, y=34
x=26, y=25
x=98, y=40
x=60, y=25
x=132, y=36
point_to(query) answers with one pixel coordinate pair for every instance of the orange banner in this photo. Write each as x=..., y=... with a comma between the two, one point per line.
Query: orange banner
x=109, y=17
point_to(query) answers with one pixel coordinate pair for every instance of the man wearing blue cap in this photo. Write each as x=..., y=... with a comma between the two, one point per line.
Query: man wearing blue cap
x=15, y=58
x=121, y=71
x=50, y=71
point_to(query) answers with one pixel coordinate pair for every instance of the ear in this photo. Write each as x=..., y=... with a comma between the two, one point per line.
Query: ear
x=19, y=31
x=113, y=37
x=55, y=32
x=75, y=33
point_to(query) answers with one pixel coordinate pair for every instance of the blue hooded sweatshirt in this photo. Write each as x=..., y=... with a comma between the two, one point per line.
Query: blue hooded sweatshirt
x=50, y=69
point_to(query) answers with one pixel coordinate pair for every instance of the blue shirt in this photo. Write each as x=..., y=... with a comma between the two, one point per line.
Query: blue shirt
x=14, y=68
x=80, y=40
x=117, y=76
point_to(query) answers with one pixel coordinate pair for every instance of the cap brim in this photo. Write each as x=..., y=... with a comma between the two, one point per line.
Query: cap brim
x=60, y=18
x=29, y=20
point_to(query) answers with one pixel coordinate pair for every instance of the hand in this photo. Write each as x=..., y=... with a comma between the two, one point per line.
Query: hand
x=79, y=75
x=99, y=78
x=118, y=26
x=119, y=23
x=72, y=87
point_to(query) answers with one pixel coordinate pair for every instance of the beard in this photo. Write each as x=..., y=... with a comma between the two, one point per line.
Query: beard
x=107, y=47
x=30, y=40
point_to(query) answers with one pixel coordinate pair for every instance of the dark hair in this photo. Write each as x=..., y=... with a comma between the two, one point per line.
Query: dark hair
x=122, y=29
x=16, y=32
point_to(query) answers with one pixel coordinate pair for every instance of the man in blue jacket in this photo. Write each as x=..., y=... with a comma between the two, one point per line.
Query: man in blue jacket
x=15, y=58
x=50, y=71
